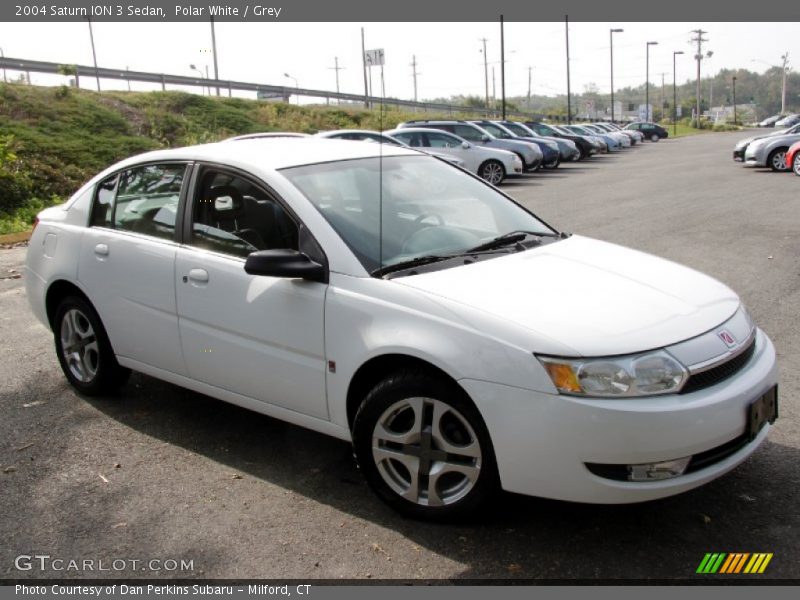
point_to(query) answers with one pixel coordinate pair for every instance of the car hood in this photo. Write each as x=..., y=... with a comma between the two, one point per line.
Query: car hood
x=585, y=297
x=750, y=140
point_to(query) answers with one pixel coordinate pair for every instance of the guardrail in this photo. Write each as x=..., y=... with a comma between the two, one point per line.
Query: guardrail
x=222, y=85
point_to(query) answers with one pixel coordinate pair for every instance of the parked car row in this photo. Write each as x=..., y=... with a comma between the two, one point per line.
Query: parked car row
x=768, y=149
x=497, y=149
x=782, y=120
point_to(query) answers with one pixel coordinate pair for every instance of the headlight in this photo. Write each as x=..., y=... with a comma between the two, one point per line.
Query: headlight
x=636, y=375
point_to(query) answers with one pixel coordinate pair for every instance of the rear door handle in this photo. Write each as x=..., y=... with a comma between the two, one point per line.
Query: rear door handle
x=198, y=275
x=101, y=249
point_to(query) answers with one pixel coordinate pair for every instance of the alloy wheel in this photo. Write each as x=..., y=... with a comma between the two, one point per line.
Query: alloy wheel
x=79, y=345
x=426, y=451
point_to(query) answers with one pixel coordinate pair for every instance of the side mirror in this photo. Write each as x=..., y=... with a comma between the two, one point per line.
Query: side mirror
x=285, y=263
x=484, y=138
x=465, y=145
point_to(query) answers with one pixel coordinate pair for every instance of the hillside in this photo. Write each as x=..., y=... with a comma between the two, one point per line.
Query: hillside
x=54, y=139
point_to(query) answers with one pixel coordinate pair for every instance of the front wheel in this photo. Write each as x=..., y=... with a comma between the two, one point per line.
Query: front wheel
x=83, y=349
x=492, y=171
x=423, y=447
x=777, y=160
x=796, y=164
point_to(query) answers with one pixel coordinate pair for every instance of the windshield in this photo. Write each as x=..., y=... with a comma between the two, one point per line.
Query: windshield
x=496, y=131
x=427, y=207
x=518, y=129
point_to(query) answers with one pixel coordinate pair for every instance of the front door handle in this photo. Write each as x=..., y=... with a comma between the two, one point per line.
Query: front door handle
x=101, y=249
x=198, y=275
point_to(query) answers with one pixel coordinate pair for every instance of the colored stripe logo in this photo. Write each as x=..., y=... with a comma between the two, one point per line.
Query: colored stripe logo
x=734, y=563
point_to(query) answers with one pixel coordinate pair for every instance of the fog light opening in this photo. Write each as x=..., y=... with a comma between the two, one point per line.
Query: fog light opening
x=661, y=470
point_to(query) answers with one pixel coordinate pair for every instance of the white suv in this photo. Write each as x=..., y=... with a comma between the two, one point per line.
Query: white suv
x=378, y=295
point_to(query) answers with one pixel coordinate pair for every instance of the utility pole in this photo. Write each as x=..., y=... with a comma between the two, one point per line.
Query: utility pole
x=611, y=33
x=647, y=84
x=94, y=56
x=674, y=96
x=494, y=90
x=503, y=66
x=364, y=64
x=485, y=71
x=662, y=95
x=698, y=39
x=414, y=74
x=569, y=93
x=214, y=49
x=735, y=121
x=337, y=68
x=785, y=59
x=529, y=88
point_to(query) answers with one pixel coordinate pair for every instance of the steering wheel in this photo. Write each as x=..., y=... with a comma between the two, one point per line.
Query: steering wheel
x=423, y=216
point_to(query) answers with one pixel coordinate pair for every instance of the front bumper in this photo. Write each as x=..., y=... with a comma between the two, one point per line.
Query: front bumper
x=738, y=154
x=754, y=158
x=543, y=441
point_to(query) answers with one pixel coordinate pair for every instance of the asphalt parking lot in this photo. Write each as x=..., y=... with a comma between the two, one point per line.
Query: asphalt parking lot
x=167, y=474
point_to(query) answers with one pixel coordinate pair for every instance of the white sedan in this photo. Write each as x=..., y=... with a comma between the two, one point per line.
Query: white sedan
x=492, y=164
x=380, y=296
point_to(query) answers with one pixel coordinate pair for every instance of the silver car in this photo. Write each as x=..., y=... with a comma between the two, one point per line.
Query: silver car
x=741, y=145
x=770, y=151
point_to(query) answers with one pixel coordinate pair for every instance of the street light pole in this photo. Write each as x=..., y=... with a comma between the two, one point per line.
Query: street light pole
x=569, y=94
x=674, y=96
x=202, y=87
x=735, y=120
x=647, y=83
x=296, y=86
x=611, y=33
x=4, y=69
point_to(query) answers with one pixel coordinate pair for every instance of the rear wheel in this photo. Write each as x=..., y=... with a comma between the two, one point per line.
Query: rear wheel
x=796, y=164
x=654, y=137
x=492, y=171
x=83, y=349
x=777, y=160
x=423, y=447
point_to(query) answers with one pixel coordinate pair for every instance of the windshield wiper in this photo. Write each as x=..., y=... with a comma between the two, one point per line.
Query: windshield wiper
x=512, y=237
x=414, y=262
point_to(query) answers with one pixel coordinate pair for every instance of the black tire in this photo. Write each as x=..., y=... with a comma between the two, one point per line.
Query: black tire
x=654, y=137
x=492, y=171
x=554, y=164
x=796, y=164
x=581, y=155
x=777, y=160
x=83, y=349
x=413, y=398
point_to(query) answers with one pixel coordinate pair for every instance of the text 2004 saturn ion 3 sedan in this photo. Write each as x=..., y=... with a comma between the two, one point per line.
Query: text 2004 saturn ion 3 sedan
x=379, y=295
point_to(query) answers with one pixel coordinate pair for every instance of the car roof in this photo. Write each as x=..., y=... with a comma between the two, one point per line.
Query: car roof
x=272, y=153
x=344, y=131
x=267, y=134
x=419, y=130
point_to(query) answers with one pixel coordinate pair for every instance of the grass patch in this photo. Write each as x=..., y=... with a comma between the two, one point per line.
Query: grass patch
x=21, y=219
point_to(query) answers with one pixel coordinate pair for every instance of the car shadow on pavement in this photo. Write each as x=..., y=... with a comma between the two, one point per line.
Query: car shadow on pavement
x=751, y=509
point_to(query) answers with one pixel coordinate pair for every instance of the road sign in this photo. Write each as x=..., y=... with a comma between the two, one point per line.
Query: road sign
x=374, y=58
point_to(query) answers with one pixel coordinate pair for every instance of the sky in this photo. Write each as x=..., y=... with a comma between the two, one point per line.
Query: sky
x=449, y=55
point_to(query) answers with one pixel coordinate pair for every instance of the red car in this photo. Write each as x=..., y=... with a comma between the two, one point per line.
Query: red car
x=793, y=158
